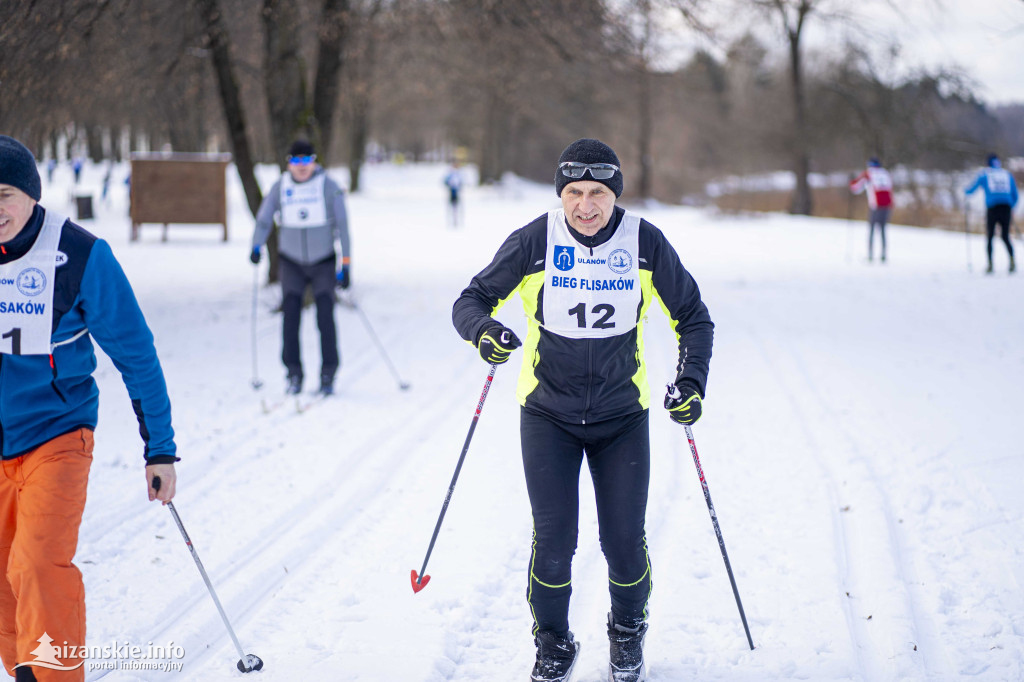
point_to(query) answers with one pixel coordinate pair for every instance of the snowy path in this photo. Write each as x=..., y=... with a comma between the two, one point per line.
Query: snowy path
x=860, y=441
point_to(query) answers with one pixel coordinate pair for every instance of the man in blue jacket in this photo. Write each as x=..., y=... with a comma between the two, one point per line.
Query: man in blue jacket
x=1000, y=198
x=60, y=288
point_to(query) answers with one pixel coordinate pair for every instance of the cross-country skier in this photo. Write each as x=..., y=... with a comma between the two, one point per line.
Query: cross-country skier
x=878, y=184
x=62, y=289
x=453, y=181
x=1000, y=198
x=587, y=274
x=310, y=210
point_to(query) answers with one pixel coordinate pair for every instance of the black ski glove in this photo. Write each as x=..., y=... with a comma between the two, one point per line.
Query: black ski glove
x=496, y=343
x=254, y=256
x=683, y=403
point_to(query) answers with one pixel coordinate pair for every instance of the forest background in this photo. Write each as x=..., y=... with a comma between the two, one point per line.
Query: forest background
x=704, y=102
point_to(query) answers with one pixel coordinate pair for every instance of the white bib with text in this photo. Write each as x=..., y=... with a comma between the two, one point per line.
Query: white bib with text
x=998, y=180
x=591, y=293
x=26, y=293
x=302, y=203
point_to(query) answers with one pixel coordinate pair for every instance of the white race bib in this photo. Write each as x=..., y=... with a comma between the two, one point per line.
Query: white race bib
x=880, y=178
x=591, y=294
x=998, y=181
x=26, y=293
x=302, y=203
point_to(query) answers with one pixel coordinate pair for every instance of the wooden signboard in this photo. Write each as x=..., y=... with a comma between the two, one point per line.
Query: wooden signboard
x=178, y=188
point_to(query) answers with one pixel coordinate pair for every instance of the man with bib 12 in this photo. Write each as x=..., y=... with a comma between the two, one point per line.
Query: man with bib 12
x=587, y=274
x=310, y=210
x=60, y=288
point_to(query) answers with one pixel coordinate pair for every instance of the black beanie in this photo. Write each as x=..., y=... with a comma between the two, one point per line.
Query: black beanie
x=18, y=167
x=301, y=148
x=587, y=150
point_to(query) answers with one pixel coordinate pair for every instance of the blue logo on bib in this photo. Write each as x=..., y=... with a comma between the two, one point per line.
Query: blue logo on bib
x=31, y=282
x=564, y=257
x=620, y=262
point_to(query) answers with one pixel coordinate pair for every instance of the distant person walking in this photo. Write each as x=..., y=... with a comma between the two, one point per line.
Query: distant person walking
x=62, y=290
x=1000, y=198
x=453, y=181
x=309, y=208
x=877, y=182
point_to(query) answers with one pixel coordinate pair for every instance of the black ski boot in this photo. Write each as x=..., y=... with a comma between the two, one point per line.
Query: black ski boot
x=326, y=384
x=556, y=657
x=294, y=384
x=626, y=652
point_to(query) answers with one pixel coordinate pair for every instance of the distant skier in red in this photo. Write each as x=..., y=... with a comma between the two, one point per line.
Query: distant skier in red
x=878, y=183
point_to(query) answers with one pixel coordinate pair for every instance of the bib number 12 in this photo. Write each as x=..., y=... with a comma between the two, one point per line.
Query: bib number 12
x=605, y=310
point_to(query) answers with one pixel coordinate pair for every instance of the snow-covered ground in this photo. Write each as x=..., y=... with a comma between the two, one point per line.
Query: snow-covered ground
x=861, y=441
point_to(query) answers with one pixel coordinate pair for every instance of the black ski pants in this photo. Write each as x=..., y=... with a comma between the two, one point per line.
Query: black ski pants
x=1001, y=215
x=618, y=455
x=295, y=277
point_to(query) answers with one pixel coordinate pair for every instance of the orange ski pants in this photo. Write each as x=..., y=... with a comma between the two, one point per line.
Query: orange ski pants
x=42, y=497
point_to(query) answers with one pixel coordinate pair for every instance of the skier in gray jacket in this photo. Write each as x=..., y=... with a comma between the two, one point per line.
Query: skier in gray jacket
x=309, y=208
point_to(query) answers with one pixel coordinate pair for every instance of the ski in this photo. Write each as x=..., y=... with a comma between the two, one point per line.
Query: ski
x=303, y=405
x=269, y=407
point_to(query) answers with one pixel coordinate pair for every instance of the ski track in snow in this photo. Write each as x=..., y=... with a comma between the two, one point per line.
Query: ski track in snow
x=872, y=518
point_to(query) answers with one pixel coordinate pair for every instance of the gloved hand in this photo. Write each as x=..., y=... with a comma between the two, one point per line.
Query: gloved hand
x=254, y=257
x=683, y=402
x=497, y=343
x=342, y=278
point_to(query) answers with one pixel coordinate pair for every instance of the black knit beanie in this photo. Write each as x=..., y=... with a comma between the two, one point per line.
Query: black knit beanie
x=18, y=167
x=587, y=150
x=301, y=148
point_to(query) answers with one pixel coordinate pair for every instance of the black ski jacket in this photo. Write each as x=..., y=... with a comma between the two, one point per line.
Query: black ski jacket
x=588, y=380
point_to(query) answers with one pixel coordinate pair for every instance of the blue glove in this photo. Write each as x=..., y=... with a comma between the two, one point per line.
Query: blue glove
x=683, y=402
x=254, y=257
x=342, y=278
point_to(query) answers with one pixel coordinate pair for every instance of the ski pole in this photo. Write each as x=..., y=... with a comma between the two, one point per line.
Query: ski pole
x=967, y=234
x=256, y=382
x=849, y=218
x=404, y=385
x=718, y=532
x=420, y=580
x=246, y=662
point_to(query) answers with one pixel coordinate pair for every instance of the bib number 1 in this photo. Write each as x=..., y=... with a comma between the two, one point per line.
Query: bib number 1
x=15, y=336
x=606, y=311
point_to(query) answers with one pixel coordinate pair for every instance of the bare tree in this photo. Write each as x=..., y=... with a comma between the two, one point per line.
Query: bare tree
x=219, y=44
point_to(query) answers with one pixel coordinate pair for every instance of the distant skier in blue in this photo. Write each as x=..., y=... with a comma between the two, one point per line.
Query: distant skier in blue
x=1000, y=198
x=453, y=181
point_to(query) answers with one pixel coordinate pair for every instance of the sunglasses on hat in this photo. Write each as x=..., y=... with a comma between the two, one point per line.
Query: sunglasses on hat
x=302, y=160
x=598, y=171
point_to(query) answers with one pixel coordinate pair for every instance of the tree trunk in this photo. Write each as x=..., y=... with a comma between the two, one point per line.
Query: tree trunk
x=220, y=48
x=333, y=30
x=358, y=135
x=94, y=142
x=284, y=78
x=492, y=149
x=801, y=202
x=645, y=133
